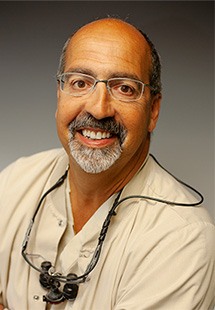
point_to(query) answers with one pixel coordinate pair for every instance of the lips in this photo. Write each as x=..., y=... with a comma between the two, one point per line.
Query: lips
x=92, y=131
x=95, y=135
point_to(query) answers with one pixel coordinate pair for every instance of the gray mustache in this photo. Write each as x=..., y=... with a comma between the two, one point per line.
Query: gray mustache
x=106, y=124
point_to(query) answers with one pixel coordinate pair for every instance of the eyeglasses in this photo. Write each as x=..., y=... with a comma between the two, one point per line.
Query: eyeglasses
x=79, y=84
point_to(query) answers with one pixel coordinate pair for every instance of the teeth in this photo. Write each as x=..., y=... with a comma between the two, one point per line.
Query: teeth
x=95, y=135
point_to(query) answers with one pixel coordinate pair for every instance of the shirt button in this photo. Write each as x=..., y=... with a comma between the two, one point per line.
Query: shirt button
x=85, y=254
x=36, y=297
x=60, y=223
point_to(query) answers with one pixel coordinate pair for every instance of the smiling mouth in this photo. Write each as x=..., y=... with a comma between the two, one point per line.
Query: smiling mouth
x=95, y=135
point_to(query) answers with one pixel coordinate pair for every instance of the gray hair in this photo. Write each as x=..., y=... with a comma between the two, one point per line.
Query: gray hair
x=62, y=60
x=155, y=74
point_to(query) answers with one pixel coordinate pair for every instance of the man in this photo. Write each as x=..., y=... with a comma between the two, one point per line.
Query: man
x=150, y=252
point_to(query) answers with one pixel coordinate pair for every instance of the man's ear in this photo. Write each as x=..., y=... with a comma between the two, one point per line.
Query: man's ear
x=58, y=96
x=58, y=90
x=155, y=109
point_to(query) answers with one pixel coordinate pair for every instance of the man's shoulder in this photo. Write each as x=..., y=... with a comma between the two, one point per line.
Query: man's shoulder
x=171, y=196
x=37, y=157
x=43, y=155
x=167, y=187
x=33, y=166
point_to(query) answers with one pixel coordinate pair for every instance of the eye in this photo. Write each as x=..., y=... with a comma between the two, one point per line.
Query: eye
x=123, y=88
x=126, y=89
x=78, y=84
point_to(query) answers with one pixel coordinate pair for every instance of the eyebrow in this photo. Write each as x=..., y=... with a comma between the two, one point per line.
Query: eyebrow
x=81, y=70
x=118, y=74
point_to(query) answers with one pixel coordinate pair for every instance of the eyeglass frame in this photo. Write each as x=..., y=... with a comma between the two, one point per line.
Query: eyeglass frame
x=106, y=81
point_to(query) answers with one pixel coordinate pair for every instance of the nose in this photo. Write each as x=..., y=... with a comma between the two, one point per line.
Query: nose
x=100, y=103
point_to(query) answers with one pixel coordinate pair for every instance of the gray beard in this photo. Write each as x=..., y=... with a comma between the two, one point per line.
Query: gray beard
x=94, y=160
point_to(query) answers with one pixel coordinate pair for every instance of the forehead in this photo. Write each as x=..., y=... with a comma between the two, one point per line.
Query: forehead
x=106, y=47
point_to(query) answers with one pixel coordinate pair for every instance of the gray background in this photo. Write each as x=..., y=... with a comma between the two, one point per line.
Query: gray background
x=31, y=37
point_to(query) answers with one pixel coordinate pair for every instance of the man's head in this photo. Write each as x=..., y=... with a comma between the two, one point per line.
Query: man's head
x=155, y=74
x=111, y=124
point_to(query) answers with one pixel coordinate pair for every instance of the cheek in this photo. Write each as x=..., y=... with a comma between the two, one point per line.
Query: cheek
x=136, y=122
x=61, y=120
x=65, y=113
x=67, y=110
x=61, y=128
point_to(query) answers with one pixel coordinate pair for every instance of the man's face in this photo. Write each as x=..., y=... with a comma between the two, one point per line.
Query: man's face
x=97, y=131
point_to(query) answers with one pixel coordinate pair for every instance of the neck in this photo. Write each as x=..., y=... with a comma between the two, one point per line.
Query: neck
x=90, y=191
